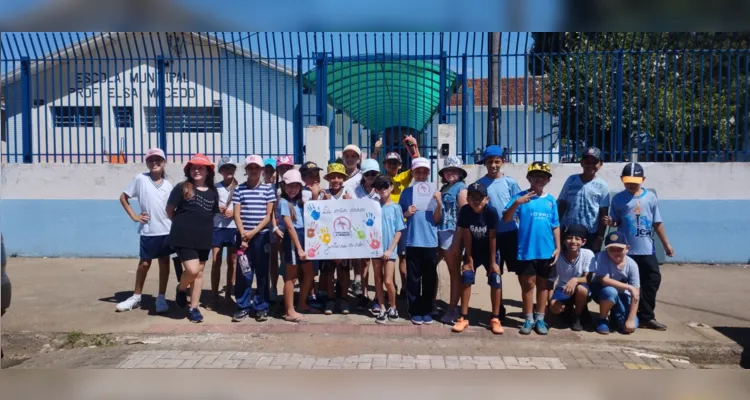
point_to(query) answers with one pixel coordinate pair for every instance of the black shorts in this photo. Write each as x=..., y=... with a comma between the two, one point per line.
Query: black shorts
x=507, y=245
x=484, y=261
x=330, y=265
x=191, y=254
x=541, y=268
x=289, y=250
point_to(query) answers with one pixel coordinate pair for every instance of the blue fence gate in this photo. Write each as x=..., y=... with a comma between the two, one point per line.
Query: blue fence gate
x=81, y=97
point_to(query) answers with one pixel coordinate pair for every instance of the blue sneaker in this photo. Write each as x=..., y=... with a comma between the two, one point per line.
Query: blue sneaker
x=375, y=308
x=526, y=328
x=541, y=327
x=180, y=297
x=427, y=320
x=195, y=315
x=416, y=320
x=602, y=327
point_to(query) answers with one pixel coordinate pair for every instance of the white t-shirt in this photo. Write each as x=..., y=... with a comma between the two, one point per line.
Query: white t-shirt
x=361, y=193
x=219, y=220
x=340, y=194
x=354, y=180
x=585, y=263
x=152, y=199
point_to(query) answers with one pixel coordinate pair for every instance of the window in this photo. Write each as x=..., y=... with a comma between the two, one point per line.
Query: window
x=187, y=119
x=123, y=117
x=77, y=117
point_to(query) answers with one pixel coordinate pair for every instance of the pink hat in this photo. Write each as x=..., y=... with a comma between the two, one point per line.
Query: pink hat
x=155, y=152
x=284, y=160
x=254, y=160
x=420, y=162
x=293, y=176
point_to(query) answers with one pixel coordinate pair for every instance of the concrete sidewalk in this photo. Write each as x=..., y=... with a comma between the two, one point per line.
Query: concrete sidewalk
x=64, y=295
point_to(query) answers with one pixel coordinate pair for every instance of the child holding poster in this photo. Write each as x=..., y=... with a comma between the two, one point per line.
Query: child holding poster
x=422, y=205
x=384, y=267
x=335, y=176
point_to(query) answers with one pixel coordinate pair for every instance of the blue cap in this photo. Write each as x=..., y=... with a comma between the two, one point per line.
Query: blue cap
x=614, y=239
x=270, y=162
x=491, y=151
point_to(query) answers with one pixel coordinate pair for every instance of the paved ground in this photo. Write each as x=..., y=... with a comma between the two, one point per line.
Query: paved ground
x=703, y=306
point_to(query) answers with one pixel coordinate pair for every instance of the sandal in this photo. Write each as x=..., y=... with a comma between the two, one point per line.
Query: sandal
x=295, y=320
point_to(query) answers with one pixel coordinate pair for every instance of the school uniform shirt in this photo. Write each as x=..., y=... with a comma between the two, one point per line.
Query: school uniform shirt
x=536, y=219
x=635, y=217
x=285, y=208
x=450, y=205
x=628, y=274
x=392, y=220
x=584, y=201
x=479, y=224
x=421, y=231
x=152, y=199
x=400, y=182
x=500, y=191
x=361, y=193
x=353, y=181
x=583, y=264
x=193, y=221
x=340, y=194
x=253, y=203
x=219, y=220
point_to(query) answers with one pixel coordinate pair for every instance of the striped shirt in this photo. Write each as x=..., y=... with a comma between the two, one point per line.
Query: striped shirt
x=253, y=204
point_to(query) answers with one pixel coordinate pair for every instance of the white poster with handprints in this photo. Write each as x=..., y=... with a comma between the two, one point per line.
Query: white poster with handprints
x=342, y=229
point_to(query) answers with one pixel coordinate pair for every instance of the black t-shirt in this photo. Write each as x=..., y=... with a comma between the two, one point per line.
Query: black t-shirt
x=479, y=225
x=193, y=221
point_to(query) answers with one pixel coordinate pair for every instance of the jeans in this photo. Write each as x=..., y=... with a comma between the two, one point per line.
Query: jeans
x=648, y=270
x=259, y=253
x=421, y=276
x=620, y=309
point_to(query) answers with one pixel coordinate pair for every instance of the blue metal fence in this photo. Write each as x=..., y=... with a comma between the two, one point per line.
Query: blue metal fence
x=82, y=97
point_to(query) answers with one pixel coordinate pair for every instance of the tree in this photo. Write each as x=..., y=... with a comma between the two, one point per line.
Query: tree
x=672, y=96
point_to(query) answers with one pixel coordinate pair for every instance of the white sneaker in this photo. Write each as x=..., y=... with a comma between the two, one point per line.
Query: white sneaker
x=133, y=302
x=161, y=305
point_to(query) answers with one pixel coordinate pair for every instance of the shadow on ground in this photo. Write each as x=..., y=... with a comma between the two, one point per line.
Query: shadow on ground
x=741, y=336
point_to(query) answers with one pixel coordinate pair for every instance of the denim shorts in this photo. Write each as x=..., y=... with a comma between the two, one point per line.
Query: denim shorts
x=560, y=296
x=153, y=247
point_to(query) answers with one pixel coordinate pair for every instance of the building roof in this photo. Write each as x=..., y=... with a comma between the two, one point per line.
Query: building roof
x=93, y=44
x=513, y=92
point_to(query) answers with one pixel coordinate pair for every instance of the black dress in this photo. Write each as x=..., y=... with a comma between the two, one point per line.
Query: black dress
x=193, y=221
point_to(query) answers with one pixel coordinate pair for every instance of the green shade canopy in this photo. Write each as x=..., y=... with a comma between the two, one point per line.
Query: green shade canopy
x=385, y=94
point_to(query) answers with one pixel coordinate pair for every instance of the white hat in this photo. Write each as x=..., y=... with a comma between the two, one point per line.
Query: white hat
x=420, y=162
x=353, y=148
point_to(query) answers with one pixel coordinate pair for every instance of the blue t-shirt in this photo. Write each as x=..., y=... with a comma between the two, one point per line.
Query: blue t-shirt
x=450, y=206
x=628, y=274
x=635, y=218
x=584, y=201
x=421, y=231
x=285, y=211
x=392, y=221
x=500, y=191
x=536, y=220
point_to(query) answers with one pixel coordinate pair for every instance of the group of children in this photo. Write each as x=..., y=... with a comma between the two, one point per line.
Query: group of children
x=553, y=245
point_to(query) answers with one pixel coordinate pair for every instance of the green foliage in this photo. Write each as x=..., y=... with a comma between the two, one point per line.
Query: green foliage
x=680, y=92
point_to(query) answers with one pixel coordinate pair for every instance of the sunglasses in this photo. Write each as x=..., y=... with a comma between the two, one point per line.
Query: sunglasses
x=371, y=174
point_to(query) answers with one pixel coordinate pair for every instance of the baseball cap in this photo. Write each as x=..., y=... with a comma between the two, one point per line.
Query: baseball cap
x=353, y=148
x=284, y=160
x=576, y=230
x=270, y=162
x=253, y=160
x=592, y=152
x=155, y=152
x=614, y=239
x=540, y=166
x=477, y=187
x=420, y=162
x=198, y=159
x=633, y=173
x=491, y=151
x=293, y=176
x=393, y=156
x=370, y=165
x=309, y=167
x=225, y=161
x=382, y=182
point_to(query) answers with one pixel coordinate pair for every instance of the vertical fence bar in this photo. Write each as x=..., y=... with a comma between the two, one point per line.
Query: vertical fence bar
x=299, y=140
x=464, y=105
x=443, y=89
x=618, y=156
x=26, y=110
x=161, y=102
